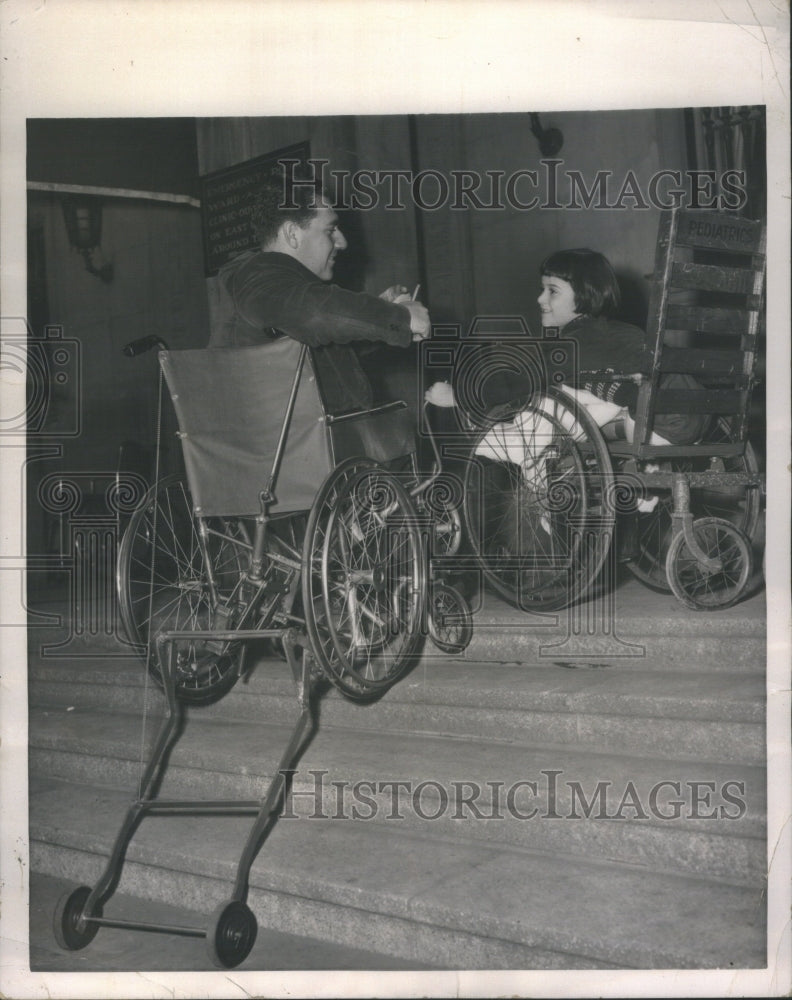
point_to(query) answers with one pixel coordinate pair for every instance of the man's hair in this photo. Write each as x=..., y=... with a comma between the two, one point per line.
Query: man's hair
x=278, y=199
x=591, y=276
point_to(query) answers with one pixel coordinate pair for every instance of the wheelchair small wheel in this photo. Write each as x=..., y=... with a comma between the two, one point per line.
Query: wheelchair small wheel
x=363, y=579
x=231, y=934
x=450, y=620
x=69, y=934
x=740, y=505
x=699, y=587
x=443, y=500
x=163, y=581
x=538, y=499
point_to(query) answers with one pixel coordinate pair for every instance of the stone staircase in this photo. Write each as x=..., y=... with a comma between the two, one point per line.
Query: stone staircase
x=563, y=797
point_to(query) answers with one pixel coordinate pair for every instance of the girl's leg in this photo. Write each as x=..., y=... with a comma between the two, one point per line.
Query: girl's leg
x=600, y=411
x=629, y=430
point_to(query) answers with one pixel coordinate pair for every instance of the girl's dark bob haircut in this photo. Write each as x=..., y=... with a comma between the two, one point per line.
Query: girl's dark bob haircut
x=591, y=277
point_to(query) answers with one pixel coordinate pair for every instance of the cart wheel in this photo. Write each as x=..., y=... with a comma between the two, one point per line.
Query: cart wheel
x=740, y=505
x=66, y=922
x=450, y=620
x=231, y=934
x=701, y=588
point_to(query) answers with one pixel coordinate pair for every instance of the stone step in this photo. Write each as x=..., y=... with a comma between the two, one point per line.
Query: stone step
x=409, y=893
x=631, y=623
x=658, y=813
x=716, y=717
x=646, y=629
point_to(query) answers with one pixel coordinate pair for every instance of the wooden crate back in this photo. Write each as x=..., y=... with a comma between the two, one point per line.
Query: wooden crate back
x=707, y=294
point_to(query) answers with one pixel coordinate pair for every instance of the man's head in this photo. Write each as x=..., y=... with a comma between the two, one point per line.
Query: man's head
x=302, y=225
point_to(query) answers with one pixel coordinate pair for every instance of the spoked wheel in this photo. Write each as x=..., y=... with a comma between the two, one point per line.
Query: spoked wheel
x=363, y=579
x=699, y=586
x=539, y=502
x=163, y=579
x=450, y=620
x=443, y=502
x=231, y=934
x=739, y=505
x=70, y=934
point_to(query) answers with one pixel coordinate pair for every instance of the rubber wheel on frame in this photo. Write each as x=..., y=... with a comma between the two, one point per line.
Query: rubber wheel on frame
x=163, y=584
x=231, y=934
x=66, y=921
x=698, y=587
x=450, y=620
x=738, y=505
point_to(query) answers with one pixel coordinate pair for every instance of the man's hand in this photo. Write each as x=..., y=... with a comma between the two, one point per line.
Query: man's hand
x=420, y=324
x=440, y=394
x=396, y=293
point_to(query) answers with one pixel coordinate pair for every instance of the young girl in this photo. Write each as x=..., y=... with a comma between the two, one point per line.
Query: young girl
x=579, y=295
x=579, y=292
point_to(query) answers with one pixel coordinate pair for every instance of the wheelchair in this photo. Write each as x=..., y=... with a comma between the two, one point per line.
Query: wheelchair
x=340, y=569
x=545, y=490
x=331, y=557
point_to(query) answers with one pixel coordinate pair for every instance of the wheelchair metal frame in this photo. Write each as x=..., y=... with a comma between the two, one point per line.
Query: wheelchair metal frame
x=232, y=928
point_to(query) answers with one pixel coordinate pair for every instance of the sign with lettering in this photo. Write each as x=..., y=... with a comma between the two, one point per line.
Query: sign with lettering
x=724, y=232
x=227, y=198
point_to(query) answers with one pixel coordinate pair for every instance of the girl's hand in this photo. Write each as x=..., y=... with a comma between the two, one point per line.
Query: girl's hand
x=440, y=394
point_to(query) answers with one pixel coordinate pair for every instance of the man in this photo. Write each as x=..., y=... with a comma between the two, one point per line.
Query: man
x=284, y=289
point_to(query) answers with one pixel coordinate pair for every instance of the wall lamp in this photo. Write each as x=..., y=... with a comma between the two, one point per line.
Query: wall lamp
x=83, y=218
x=550, y=139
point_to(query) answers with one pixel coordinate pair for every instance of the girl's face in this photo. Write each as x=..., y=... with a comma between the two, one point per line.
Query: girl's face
x=557, y=302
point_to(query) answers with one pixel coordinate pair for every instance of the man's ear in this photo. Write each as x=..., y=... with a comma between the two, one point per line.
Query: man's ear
x=290, y=232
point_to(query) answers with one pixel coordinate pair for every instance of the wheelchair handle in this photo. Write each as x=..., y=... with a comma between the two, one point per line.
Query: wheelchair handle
x=435, y=449
x=143, y=344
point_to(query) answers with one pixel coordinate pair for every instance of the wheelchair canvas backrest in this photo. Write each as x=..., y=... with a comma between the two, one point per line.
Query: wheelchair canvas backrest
x=703, y=323
x=230, y=404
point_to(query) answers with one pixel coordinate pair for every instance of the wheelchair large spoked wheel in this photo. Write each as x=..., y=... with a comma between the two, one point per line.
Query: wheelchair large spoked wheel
x=363, y=579
x=163, y=581
x=539, y=502
x=740, y=505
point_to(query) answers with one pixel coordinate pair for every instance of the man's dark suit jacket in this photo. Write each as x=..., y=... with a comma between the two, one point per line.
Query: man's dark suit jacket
x=273, y=294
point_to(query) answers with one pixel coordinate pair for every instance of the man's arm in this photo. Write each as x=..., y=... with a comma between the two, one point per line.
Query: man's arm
x=271, y=294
